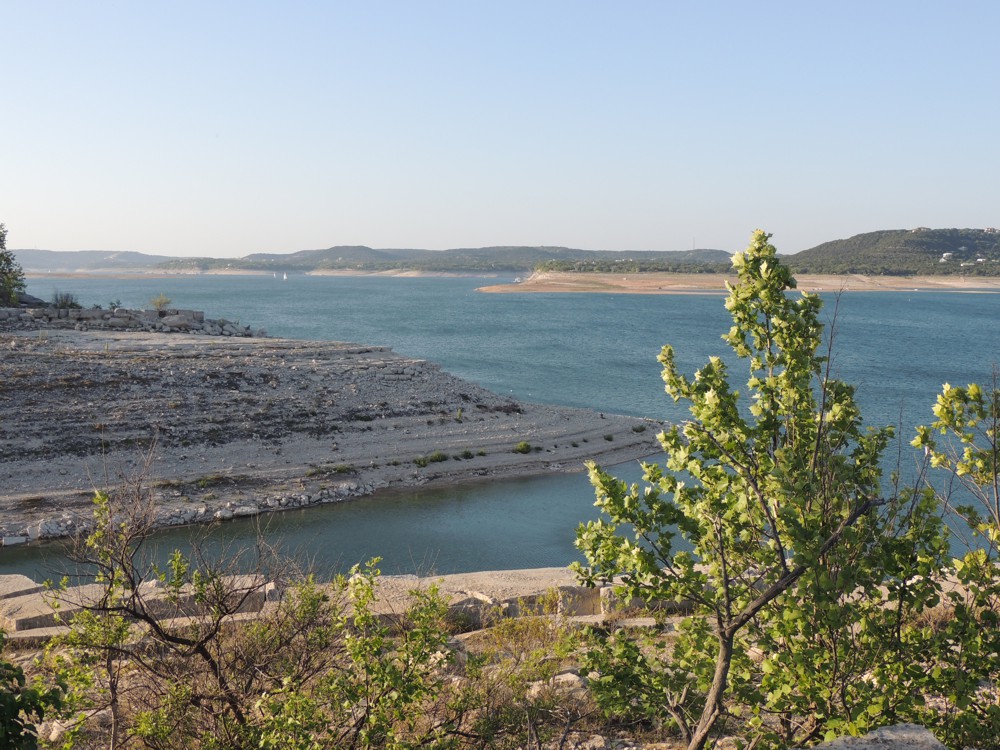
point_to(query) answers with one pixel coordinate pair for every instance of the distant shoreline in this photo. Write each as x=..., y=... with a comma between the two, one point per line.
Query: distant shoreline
x=158, y=274
x=608, y=283
x=715, y=283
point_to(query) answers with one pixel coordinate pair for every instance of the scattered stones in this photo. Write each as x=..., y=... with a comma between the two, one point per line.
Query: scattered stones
x=567, y=684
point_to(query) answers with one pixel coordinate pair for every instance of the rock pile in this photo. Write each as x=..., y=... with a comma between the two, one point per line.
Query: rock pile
x=150, y=321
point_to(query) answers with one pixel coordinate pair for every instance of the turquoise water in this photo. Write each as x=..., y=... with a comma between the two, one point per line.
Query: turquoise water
x=591, y=350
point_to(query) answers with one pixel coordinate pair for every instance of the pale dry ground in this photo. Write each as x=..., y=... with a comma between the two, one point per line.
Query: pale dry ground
x=709, y=283
x=239, y=419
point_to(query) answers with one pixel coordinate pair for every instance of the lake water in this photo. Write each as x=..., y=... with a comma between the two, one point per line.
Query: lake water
x=591, y=350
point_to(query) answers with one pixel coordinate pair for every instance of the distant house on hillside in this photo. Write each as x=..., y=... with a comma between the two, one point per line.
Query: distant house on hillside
x=945, y=257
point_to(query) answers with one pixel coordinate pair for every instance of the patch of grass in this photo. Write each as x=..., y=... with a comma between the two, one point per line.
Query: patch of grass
x=609, y=437
x=210, y=480
x=523, y=447
x=638, y=428
x=466, y=454
x=433, y=458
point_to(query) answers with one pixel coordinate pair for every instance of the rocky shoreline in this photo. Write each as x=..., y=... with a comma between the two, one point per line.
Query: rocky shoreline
x=47, y=317
x=236, y=426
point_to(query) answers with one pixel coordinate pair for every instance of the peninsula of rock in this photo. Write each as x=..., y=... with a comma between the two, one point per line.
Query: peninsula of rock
x=238, y=425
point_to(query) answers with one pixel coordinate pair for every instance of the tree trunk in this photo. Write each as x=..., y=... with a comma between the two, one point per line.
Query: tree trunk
x=713, y=701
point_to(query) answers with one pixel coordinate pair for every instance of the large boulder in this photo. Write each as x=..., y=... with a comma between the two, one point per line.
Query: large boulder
x=178, y=322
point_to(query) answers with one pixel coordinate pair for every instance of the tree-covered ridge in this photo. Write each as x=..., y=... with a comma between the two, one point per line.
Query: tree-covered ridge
x=901, y=252
x=515, y=259
x=894, y=252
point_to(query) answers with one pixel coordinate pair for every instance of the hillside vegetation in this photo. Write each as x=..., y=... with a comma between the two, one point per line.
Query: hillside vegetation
x=892, y=252
x=902, y=252
x=509, y=259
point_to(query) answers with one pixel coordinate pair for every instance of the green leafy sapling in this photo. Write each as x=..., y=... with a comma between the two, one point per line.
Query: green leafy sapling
x=962, y=649
x=766, y=518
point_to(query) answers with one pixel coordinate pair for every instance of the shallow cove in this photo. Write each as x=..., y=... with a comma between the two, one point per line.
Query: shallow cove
x=592, y=350
x=521, y=523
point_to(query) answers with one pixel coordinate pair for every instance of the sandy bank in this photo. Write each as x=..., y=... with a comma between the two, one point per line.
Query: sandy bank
x=709, y=283
x=251, y=425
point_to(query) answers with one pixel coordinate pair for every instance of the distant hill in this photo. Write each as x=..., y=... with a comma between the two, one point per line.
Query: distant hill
x=85, y=261
x=510, y=259
x=904, y=252
x=895, y=252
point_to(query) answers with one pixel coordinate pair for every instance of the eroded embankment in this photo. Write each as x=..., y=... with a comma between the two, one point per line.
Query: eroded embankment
x=241, y=426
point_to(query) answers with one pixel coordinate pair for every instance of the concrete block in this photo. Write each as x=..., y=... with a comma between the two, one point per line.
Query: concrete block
x=17, y=585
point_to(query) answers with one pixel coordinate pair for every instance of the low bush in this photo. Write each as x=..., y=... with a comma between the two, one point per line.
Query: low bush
x=160, y=302
x=65, y=300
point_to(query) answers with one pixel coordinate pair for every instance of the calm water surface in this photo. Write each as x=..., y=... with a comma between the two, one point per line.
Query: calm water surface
x=592, y=350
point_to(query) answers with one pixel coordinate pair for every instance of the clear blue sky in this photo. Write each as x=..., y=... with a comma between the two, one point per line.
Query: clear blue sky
x=226, y=128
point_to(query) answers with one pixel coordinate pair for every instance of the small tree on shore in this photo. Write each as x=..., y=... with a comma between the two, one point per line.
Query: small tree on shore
x=160, y=302
x=770, y=521
x=11, y=273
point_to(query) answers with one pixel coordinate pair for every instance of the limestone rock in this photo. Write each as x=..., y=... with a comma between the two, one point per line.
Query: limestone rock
x=180, y=322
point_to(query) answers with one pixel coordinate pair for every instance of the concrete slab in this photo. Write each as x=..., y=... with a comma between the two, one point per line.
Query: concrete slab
x=476, y=597
x=43, y=609
x=17, y=585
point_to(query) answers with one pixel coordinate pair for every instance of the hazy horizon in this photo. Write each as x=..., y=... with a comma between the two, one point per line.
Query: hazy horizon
x=228, y=129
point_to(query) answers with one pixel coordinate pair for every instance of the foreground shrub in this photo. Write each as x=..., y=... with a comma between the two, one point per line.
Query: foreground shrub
x=174, y=666
x=769, y=519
